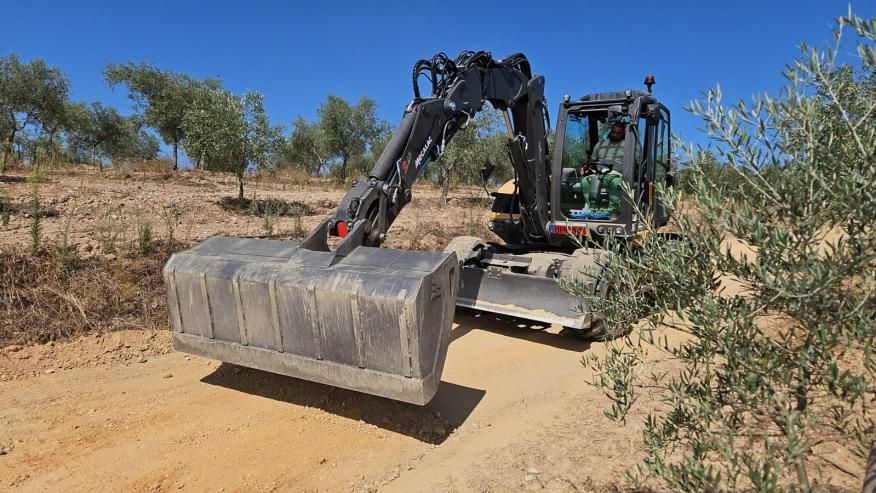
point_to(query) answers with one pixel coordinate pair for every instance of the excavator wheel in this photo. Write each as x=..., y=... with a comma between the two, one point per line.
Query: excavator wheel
x=596, y=331
x=585, y=269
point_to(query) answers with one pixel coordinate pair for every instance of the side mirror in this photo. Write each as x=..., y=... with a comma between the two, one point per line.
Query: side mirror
x=670, y=180
x=487, y=170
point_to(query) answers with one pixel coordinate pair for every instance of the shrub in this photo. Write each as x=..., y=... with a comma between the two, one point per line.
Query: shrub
x=767, y=303
x=269, y=220
x=37, y=176
x=110, y=230
x=5, y=210
x=144, y=235
x=36, y=221
x=171, y=215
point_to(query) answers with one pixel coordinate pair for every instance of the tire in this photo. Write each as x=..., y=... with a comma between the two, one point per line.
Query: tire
x=596, y=332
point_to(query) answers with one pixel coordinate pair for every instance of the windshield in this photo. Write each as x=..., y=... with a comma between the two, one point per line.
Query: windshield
x=589, y=191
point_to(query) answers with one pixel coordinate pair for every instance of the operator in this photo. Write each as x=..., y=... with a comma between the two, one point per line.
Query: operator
x=609, y=154
x=611, y=150
x=608, y=189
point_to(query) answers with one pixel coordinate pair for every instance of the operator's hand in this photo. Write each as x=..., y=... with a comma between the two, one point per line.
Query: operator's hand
x=576, y=186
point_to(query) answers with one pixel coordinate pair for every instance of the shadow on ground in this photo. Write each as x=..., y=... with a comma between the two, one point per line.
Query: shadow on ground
x=432, y=423
x=527, y=330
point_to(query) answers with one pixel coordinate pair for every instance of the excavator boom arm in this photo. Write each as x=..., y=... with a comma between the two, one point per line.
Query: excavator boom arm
x=459, y=89
x=374, y=320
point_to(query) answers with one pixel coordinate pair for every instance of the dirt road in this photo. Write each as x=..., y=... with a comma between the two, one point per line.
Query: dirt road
x=122, y=412
x=513, y=412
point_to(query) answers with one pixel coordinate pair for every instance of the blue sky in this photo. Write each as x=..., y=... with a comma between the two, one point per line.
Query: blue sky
x=296, y=54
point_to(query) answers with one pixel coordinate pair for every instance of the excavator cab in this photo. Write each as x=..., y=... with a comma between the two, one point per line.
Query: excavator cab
x=593, y=201
x=588, y=196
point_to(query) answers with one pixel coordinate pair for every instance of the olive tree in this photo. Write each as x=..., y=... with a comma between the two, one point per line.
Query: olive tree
x=767, y=302
x=163, y=96
x=304, y=147
x=230, y=133
x=31, y=93
x=96, y=132
x=347, y=130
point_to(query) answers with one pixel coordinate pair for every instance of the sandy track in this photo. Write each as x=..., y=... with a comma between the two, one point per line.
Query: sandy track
x=513, y=401
x=123, y=412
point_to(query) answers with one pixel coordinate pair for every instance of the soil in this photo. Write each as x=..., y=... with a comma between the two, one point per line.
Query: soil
x=90, y=208
x=122, y=411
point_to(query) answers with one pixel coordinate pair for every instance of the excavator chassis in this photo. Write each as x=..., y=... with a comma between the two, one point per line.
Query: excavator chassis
x=529, y=285
x=524, y=296
x=375, y=321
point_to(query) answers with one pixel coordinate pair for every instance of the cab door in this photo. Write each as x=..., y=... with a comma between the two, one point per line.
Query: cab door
x=661, y=167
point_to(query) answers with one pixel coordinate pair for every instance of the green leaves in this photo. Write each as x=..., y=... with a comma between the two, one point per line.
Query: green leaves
x=482, y=138
x=163, y=96
x=346, y=138
x=766, y=298
x=96, y=132
x=230, y=133
x=30, y=93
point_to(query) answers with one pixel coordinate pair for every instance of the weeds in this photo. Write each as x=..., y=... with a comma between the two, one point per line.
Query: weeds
x=269, y=219
x=474, y=224
x=5, y=209
x=36, y=222
x=109, y=232
x=258, y=207
x=144, y=235
x=41, y=301
x=64, y=250
x=171, y=215
x=37, y=176
x=298, y=230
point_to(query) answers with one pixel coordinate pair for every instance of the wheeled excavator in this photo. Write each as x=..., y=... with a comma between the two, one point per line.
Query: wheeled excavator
x=378, y=320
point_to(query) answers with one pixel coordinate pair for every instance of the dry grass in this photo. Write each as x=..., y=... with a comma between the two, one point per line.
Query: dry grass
x=153, y=166
x=42, y=299
x=260, y=207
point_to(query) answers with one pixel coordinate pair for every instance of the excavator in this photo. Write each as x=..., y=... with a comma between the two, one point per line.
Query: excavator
x=378, y=320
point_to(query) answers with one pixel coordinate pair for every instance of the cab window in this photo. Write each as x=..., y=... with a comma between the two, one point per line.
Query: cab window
x=588, y=191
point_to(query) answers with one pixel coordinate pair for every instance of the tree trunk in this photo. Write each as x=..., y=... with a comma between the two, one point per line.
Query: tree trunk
x=175, y=160
x=343, y=174
x=94, y=158
x=240, y=185
x=6, y=150
x=50, y=151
